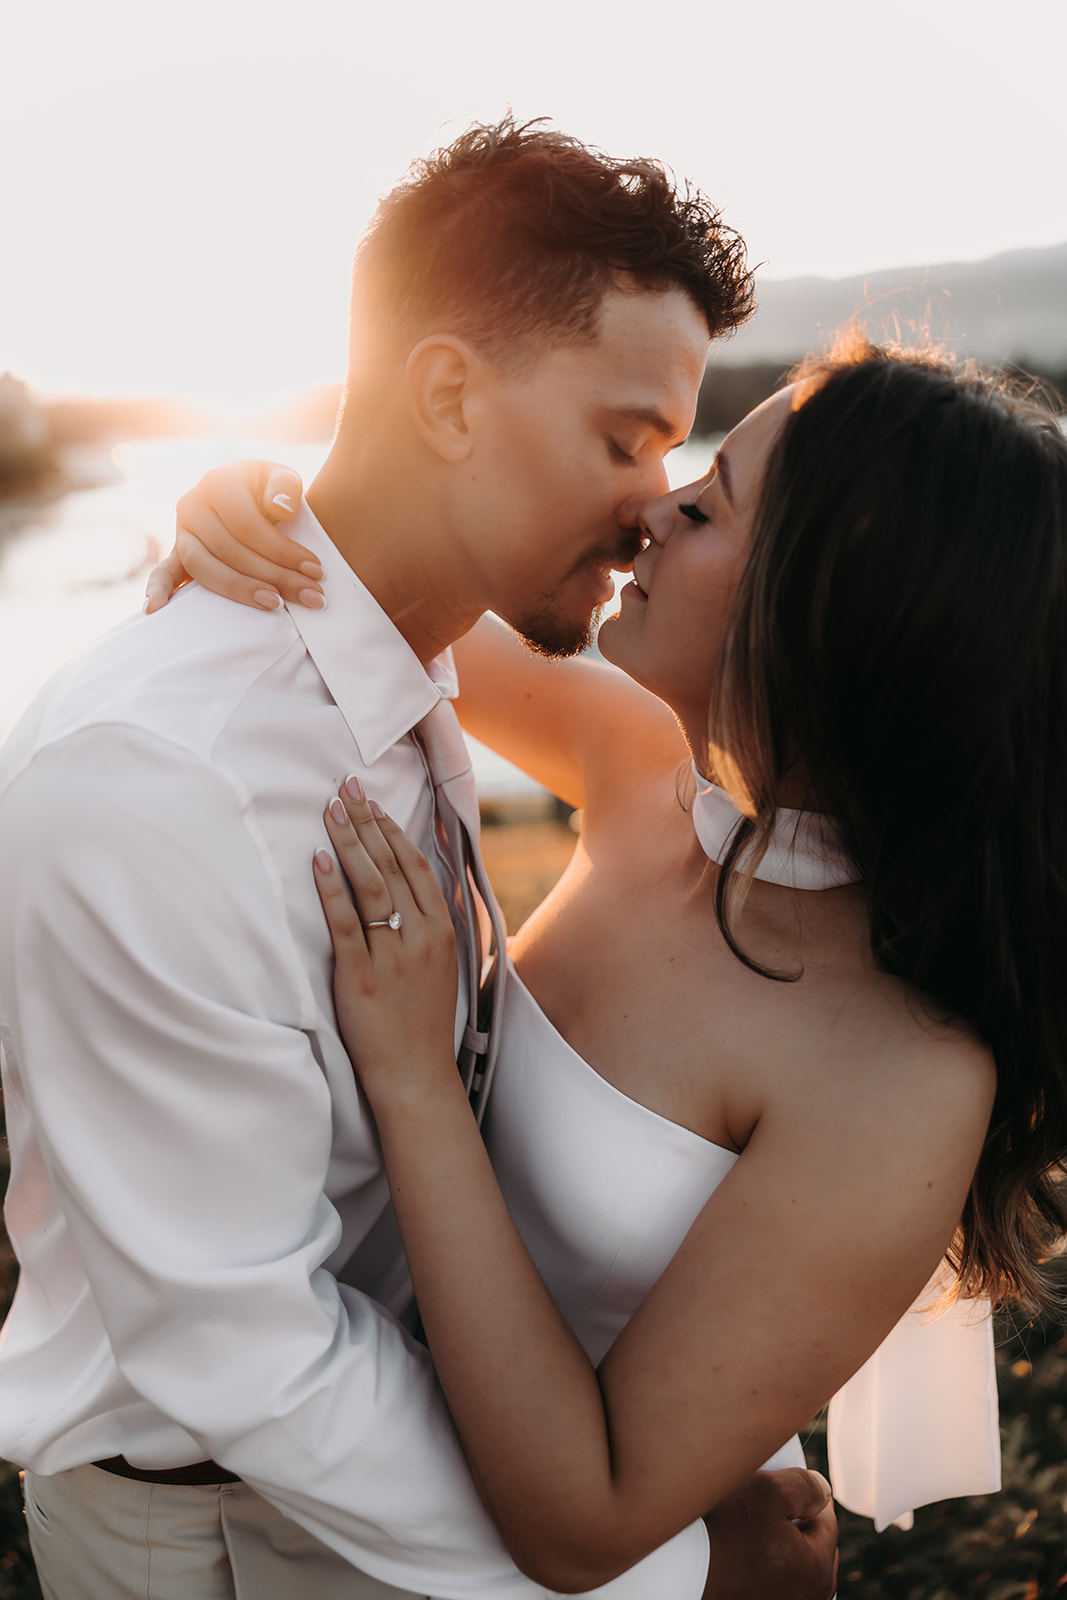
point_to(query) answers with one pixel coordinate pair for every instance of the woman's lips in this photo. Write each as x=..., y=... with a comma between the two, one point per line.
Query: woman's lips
x=634, y=591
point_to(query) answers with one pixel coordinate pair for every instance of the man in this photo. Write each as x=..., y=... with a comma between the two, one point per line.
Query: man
x=203, y=1371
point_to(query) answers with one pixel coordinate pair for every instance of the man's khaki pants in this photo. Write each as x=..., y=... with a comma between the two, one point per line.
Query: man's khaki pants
x=95, y=1536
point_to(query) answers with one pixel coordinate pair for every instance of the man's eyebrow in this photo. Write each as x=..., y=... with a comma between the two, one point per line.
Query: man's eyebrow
x=650, y=417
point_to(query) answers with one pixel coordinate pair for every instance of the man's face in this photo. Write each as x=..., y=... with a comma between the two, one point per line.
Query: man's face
x=570, y=453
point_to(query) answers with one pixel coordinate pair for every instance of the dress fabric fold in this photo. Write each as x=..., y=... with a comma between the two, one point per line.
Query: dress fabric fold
x=919, y=1421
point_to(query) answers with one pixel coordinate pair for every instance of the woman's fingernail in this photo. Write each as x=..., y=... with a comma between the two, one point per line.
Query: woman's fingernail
x=267, y=599
x=338, y=812
x=312, y=599
x=323, y=861
x=282, y=500
x=355, y=788
x=311, y=569
x=376, y=810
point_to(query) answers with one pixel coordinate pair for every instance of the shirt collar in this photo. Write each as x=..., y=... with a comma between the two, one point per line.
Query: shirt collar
x=381, y=687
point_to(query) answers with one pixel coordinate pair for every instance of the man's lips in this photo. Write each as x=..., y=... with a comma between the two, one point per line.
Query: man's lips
x=620, y=559
x=600, y=567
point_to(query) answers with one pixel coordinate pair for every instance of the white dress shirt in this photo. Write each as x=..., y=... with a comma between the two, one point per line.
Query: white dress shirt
x=193, y=1166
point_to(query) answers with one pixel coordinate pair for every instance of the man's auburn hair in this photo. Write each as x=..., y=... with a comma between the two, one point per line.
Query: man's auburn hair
x=510, y=237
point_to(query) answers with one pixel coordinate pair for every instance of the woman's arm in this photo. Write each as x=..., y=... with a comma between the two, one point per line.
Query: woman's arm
x=806, y=1255
x=563, y=722
x=571, y=725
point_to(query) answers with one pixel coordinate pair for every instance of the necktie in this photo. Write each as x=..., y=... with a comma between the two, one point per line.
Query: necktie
x=457, y=821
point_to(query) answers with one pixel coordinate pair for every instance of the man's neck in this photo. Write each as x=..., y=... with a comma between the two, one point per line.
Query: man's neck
x=393, y=543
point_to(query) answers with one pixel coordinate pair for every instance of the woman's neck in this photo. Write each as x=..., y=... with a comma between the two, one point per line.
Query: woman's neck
x=794, y=790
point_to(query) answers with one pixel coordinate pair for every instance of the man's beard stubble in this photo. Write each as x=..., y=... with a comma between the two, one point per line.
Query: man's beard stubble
x=556, y=637
x=548, y=632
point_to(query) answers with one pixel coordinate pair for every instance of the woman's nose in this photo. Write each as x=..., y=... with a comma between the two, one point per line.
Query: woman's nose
x=652, y=490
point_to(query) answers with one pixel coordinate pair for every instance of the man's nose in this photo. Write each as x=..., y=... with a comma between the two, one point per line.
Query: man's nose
x=652, y=487
x=656, y=483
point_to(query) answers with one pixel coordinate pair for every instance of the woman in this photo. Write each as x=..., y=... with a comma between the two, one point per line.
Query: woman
x=805, y=1033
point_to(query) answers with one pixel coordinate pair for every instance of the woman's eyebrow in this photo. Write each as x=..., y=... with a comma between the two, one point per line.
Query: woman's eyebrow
x=721, y=468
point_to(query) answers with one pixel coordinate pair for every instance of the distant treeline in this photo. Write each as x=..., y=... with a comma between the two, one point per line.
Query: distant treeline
x=729, y=393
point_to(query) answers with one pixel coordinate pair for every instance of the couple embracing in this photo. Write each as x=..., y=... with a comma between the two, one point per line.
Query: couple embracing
x=782, y=1055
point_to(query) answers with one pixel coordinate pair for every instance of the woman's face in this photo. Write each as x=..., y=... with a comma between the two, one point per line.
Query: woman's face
x=670, y=629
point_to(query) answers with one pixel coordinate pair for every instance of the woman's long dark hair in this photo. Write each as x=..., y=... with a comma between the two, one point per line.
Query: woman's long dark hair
x=900, y=634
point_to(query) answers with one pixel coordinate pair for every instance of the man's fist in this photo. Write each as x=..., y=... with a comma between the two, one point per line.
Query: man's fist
x=775, y=1539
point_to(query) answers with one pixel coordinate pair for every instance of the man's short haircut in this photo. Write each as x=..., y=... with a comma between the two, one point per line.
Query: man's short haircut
x=510, y=237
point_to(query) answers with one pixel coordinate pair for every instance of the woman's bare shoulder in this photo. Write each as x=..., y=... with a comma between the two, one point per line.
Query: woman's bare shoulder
x=888, y=1059
x=910, y=1033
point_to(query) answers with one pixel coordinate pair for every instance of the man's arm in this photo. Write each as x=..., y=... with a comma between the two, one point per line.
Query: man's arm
x=775, y=1537
x=158, y=1012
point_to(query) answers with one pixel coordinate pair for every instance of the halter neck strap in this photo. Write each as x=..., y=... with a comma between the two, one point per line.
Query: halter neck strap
x=804, y=853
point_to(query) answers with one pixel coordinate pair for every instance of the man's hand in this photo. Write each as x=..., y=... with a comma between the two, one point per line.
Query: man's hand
x=775, y=1539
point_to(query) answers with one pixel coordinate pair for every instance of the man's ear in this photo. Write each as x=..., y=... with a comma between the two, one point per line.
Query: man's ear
x=444, y=379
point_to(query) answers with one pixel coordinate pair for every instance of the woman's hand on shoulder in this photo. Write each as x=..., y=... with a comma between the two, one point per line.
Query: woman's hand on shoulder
x=395, y=975
x=230, y=538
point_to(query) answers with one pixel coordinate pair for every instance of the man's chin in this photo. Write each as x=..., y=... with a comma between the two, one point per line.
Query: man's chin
x=555, y=636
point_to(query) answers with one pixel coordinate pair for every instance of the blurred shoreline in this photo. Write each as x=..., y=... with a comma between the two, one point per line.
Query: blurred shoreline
x=52, y=446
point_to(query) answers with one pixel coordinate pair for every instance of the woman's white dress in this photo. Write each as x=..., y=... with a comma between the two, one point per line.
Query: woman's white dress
x=603, y=1191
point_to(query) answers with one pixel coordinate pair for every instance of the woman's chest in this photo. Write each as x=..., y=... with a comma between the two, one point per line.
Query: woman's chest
x=629, y=971
x=601, y=1189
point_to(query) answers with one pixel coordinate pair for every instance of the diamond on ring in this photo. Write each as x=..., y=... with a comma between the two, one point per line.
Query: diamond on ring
x=395, y=921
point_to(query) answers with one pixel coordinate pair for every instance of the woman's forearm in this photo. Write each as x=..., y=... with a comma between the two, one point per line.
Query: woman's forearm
x=526, y=1402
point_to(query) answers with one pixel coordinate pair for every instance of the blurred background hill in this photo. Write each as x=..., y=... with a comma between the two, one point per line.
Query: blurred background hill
x=1011, y=306
x=1009, y=310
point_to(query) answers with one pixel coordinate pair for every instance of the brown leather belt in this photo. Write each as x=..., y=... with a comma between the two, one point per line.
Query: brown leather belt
x=199, y=1474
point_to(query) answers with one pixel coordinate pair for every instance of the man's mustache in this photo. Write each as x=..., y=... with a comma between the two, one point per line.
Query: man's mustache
x=615, y=556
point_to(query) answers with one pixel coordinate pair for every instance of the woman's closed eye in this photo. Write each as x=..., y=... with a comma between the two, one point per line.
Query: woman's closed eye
x=692, y=511
x=622, y=455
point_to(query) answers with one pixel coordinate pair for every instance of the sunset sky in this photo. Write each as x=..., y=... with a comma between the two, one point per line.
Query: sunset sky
x=183, y=186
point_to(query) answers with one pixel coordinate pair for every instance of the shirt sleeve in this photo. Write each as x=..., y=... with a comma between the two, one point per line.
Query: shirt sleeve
x=186, y=1126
